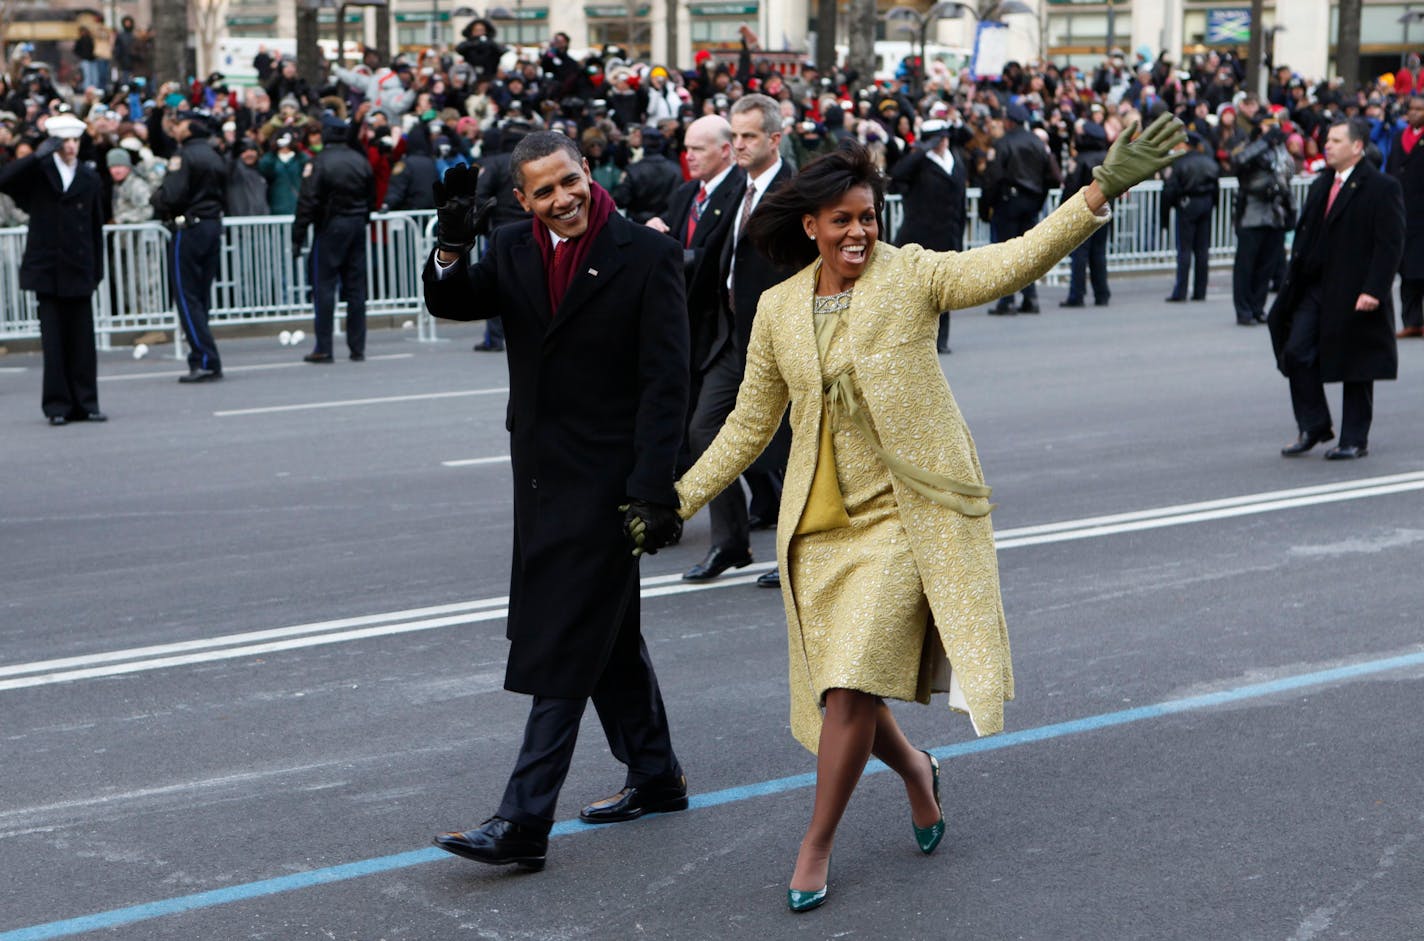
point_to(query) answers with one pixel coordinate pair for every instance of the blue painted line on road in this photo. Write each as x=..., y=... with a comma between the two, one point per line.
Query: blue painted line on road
x=250, y=890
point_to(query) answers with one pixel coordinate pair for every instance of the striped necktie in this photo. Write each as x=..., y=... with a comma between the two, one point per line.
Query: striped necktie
x=698, y=205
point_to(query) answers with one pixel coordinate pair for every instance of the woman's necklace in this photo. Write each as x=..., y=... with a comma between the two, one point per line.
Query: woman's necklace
x=831, y=303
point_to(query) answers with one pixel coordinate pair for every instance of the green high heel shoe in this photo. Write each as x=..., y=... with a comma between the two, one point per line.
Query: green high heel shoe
x=799, y=900
x=928, y=837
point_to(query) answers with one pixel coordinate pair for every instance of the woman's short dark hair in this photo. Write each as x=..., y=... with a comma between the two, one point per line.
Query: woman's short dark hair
x=537, y=146
x=775, y=228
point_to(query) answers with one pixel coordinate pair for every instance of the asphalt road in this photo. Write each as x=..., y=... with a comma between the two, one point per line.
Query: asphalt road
x=251, y=649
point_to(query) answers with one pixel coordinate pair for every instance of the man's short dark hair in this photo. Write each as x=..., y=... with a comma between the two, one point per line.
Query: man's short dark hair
x=1358, y=128
x=537, y=146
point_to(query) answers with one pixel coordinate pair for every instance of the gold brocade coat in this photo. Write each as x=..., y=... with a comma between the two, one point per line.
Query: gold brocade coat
x=893, y=320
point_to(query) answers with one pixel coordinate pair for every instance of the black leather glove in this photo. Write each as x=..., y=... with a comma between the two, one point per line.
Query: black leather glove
x=461, y=217
x=48, y=147
x=650, y=526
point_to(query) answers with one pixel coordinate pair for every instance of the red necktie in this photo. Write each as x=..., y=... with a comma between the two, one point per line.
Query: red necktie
x=1334, y=191
x=696, y=215
x=558, y=283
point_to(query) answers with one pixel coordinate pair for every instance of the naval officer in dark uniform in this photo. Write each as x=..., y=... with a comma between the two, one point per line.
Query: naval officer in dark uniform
x=191, y=199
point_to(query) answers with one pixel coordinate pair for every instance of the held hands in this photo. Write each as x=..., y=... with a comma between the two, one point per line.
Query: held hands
x=462, y=218
x=650, y=526
x=1129, y=161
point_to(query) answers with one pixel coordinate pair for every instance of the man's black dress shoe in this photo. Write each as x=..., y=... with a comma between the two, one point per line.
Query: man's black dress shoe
x=1028, y=307
x=92, y=416
x=770, y=579
x=1176, y=300
x=358, y=357
x=632, y=802
x=1306, y=441
x=943, y=350
x=1101, y=302
x=761, y=522
x=1346, y=452
x=718, y=561
x=318, y=358
x=1002, y=310
x=483, y=347
x=1070, y=303
x=499, y=842
x=201, y=375
x=58, y=420
x=1260, y=318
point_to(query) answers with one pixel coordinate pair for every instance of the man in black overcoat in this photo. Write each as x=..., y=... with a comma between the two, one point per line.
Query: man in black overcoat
x=1024, y=172
x=63, y=264
x=598, y=396
x=1406, y=164
x=1334, y=319
x=700, y=217
x=743, y=275
x=931, y=180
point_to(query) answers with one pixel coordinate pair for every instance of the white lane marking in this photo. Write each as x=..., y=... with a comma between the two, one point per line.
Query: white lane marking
x=252, y=643
x=348, y=403
x=252, y=367
x=13, y=369
x=472, y=461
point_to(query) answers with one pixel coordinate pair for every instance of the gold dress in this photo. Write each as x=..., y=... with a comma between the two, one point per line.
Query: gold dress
x=850, y=562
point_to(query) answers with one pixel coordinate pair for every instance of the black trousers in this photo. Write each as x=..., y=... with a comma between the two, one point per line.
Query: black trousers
x=1312, y=412
x=71, y=365
x=942, y=335
x=1091, y=257
x=339, y=254
x=1411, y=301
x=196, y=251
x=1193, y=246
x=1013, y=217
x=630, y=708
x=1258, y=251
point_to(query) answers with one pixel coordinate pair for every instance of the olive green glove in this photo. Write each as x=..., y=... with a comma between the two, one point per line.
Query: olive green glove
x=1129, y=161
x=650, y=527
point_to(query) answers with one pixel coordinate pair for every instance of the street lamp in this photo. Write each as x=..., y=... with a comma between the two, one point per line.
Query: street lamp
x=918, y=24
x=341, y=24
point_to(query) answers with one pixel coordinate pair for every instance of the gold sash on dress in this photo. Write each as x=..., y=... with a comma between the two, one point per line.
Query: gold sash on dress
x=825, y=506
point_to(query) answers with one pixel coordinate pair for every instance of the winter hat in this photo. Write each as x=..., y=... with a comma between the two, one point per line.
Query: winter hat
x=118, y=157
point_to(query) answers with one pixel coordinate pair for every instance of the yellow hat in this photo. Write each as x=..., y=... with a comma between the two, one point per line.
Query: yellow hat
x=658, y=70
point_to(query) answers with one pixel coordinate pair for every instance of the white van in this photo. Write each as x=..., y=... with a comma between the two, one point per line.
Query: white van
x=891, y=53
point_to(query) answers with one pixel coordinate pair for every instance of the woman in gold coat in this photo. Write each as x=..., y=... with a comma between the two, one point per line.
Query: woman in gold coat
x=891, y=583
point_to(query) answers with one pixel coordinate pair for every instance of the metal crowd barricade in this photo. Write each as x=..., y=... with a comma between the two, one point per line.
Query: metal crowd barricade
x=260, y=282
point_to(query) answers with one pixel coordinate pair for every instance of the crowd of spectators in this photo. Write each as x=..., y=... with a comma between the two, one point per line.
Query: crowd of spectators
x=420, y=114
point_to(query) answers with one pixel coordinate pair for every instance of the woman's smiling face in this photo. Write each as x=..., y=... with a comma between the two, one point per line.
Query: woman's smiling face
x=844, y=232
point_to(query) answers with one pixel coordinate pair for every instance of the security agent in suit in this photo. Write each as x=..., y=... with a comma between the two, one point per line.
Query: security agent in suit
x=700, y=217
x=1192, y=192
x=598, y=397
x=338, y=194
x=744, y=274
x=62, y=264
x=1334, y=318
x=1023, y=173
x=932, y=181
x=1406, y=164
x=191, y=200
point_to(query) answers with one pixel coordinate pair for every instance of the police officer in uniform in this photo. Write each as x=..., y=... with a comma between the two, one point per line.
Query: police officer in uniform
x=191, y=200
x=1025, y=173
x=338, y=194
x=1192, y=190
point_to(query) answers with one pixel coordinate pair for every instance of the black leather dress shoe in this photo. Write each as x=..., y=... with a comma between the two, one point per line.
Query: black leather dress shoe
x=1306, y=441
x=770, y=579
x=1002, y=310
x=58, y=420
x=1070, y=303
x=632, y=802
x=1346, y=452
x=943, y=350
x=718, y=561
x=93, y=416
x=358, y=357
x=483, y=347
x=499, y=842
x=1028, y=307
x=761, y=522
x=318, y=358
x=1176, y=300
x=201, y=375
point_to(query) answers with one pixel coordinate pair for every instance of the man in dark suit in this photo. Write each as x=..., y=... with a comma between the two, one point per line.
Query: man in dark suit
x=1406, y=164
x=1024, y=173
x=1334, y=319
x=932, y=181
x=598, y=397
x=63, y=264
x=743, y=275
x=700, y=218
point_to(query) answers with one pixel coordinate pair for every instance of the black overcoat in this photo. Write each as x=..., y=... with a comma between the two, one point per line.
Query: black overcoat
x=1355, y=251
x=1408, y=169
x=64, y=248
x=934, y=201
x=707, y=316
x=597, y=405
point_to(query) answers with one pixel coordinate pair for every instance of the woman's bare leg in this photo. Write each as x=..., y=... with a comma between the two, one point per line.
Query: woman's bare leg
x=848, y=732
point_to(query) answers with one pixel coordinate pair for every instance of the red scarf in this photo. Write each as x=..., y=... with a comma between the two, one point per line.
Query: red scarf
x=571, y=259
x=1409, y=138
